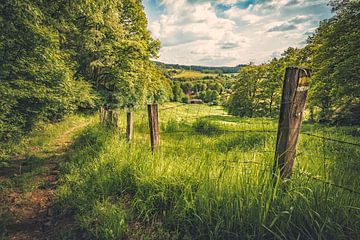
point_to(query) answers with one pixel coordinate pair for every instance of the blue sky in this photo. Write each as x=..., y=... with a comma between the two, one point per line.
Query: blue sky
x=231, y=32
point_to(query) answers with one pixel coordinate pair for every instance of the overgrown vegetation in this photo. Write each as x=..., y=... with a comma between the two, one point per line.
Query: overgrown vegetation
x=216, y=186
x=212, y=176
x=36, y=79
x=58, y=58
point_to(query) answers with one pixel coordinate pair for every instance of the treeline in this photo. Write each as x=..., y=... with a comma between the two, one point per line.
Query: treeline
x=204, y=69
x=213, y=92
x=333, y=53
x=62, y=56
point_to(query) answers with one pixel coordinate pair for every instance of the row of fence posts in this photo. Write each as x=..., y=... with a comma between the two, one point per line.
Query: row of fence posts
x=294, y=93
x=110, y=118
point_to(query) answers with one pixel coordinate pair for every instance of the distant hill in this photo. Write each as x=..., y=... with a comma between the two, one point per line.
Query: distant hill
x=201, y=68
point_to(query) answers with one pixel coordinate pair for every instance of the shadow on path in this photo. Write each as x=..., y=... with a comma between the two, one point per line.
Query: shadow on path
x=27, y=189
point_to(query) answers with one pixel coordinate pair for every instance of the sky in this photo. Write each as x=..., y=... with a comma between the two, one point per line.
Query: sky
x=231, y=32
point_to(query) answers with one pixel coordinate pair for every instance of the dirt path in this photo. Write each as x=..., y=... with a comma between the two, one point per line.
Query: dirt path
x=28, y=210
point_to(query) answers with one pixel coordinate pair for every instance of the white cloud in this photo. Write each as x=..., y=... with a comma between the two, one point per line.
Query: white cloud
x=196, y=32
x=228, y=2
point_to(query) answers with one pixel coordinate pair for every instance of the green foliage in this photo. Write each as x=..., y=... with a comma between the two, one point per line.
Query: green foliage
x=186, y=87
x=58, y=58
x=332, y=53
x=209, y=96
x=199, y=87
x=336, y=62
x=177, y=92
x=37, y=81
x=185, y=99
x=253, y=95
x=217, y=87
x=112, y=46
x=258, y=89
x=203, y=69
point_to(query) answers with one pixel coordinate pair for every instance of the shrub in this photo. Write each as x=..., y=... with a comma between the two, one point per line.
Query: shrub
x=207, y=127
x=185, y=99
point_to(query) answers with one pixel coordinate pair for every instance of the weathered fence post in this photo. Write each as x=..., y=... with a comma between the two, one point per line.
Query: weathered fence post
x=154, y=126
x=111, y=120
x=129, y=126
x=102, y=115
x=294, y=93
x=115, y=119
x=108, y=117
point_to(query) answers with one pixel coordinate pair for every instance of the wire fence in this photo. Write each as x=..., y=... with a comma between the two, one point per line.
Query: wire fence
x=327, y=153
x=322, y=154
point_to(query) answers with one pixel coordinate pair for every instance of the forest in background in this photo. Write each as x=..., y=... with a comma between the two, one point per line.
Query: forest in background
x=205, y=69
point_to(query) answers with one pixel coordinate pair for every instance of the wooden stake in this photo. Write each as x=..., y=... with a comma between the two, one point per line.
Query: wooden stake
x=154, y=126
x=115, y=118
x=109, y=118
x=102, y=115
x=294, y=93
x=129, y=126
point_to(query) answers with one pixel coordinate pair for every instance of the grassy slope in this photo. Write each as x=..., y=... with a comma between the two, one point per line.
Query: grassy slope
x=215, y=186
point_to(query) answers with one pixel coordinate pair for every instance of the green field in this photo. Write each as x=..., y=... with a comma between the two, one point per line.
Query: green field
x=193, y=74
x=211, y=180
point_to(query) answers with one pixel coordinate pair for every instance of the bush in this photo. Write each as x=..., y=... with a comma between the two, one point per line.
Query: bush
x=185, y=99
x=207, y=127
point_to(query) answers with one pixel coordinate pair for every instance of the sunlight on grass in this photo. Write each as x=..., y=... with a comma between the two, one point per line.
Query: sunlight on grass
x=210, y=186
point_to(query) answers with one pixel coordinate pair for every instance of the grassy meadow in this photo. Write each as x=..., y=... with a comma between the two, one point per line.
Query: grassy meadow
x=210, y=180
x=193, y=74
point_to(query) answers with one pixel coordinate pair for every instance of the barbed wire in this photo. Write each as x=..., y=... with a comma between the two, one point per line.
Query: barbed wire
x=331, y=139
x=328, y=182
x=246, y=152
x=218, y=131
x=168, y=108
x=223, y=131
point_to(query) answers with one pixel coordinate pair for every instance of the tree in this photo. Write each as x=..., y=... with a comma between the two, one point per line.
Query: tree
x=217, y=87
x=185, y=99
x=336, y=61
x=186, y=87
x=112, y=47
x=198, y=87
x=36, y=78
x=177, y=92
x=246, y=98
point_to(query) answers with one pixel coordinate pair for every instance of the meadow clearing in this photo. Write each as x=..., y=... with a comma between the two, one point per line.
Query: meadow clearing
x=211, y=179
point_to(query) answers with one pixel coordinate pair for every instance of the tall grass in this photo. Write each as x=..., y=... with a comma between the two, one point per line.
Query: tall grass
x=208, y=187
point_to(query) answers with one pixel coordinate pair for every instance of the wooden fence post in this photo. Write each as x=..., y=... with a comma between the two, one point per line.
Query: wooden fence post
x=129, y=126
x=102, y=115
x=294, y=93
x=154, y=126
x=108, y=117
x=115, y=119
